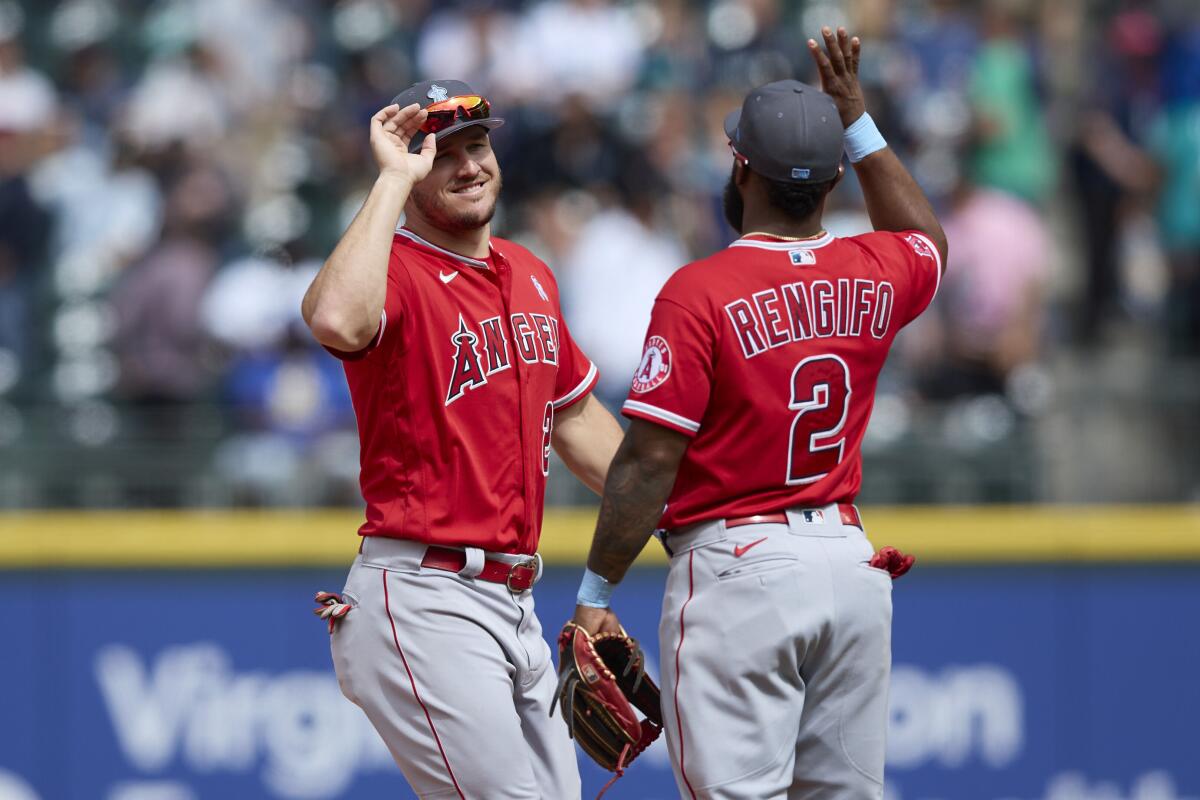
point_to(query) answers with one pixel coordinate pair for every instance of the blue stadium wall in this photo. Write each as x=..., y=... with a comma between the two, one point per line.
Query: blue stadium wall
x=1045, y=654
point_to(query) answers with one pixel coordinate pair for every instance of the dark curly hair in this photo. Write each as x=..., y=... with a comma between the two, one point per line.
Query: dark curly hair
x=797, y=200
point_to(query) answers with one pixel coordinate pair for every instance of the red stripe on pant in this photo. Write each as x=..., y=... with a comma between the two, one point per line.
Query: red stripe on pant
x=678, y=647
x=413, y=683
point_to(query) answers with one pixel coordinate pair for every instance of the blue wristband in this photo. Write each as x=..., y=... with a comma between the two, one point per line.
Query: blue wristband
x=862, y=138
x=595, y=591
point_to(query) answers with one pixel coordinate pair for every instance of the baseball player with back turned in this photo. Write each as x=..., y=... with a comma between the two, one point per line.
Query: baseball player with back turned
x=463, y=376
x=748, y=412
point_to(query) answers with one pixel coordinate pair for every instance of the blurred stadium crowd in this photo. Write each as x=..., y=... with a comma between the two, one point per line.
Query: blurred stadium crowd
x=173, y=172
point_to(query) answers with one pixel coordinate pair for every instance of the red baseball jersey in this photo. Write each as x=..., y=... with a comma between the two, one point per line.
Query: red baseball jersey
x=767, y=354
x=455, y=396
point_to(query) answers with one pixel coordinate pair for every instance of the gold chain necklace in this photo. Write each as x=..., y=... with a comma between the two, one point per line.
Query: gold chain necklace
x=783, y=238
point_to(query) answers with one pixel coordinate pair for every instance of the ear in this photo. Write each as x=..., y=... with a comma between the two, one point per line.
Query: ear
x=741, y=172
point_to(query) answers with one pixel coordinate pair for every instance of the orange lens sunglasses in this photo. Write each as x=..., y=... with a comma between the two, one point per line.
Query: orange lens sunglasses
x=445, y=113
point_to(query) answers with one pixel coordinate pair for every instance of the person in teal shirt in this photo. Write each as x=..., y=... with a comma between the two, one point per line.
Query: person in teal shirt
x=1012, y=150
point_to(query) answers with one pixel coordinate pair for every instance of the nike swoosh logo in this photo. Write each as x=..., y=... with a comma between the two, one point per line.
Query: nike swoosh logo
x=447, y=277
x=739, y=551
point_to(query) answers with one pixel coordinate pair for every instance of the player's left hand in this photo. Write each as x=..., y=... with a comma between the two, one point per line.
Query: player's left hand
x=596, y=620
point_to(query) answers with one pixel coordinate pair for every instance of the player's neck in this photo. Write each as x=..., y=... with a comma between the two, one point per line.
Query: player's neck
x=472, y=244
x=782, y=227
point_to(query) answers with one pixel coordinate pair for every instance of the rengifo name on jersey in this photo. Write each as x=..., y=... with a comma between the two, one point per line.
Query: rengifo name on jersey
x=802, y=310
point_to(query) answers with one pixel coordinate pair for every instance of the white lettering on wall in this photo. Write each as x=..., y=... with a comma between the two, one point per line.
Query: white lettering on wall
x=956, y=714
x=189, y=705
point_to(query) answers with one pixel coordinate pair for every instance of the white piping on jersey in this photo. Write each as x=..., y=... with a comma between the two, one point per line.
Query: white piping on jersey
x=805, y=244
x=578, y=390
x=474, y=262
x=663, y=414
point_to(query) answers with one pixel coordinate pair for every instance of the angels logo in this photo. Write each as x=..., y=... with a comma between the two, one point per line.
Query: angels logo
x=919, y=245
x=537, y=285
x=655, y=367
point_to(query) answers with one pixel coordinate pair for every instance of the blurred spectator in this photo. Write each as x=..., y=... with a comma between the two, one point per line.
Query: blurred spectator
x=1012, y=149
x=28, y=105
x=182, y=99
x=610, y=279
x=588, y=47
x=160, y=342
x=990, y=311
x=1175, y=143
x=28, y=100
x=1107, y=167
x=23, y=229
x=474, y=43
x=93, y=88
x=287, y=399
x=108, y=209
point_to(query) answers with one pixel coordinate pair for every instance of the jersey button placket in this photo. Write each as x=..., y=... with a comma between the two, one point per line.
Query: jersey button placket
x=504, y=279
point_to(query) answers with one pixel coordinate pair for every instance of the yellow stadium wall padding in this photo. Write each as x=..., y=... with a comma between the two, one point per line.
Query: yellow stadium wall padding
x=951, y=534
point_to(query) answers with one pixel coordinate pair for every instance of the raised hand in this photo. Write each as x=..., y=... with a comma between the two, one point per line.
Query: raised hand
x=392, y=130
x=839, y=72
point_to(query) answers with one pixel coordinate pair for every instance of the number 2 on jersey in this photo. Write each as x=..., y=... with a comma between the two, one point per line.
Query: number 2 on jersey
x=820, y=392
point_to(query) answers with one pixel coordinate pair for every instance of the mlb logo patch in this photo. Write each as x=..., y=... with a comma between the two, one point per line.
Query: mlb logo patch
x=813, y=516
x=802, y=258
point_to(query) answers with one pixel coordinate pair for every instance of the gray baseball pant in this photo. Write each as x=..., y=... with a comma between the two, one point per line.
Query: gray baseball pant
x=775, y=662
x=455, y=676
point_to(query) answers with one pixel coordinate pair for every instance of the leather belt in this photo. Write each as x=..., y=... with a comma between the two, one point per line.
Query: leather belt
x=847, y=511
x=518, y=577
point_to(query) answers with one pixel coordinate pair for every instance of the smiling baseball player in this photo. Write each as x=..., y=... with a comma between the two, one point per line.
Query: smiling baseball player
x=463, y=376
x=748, y=412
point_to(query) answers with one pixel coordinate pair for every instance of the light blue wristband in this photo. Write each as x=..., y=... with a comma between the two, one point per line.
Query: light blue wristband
x=862, y=138
x=595, y=591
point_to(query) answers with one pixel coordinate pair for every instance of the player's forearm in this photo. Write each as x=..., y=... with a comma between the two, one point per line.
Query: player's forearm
x=586, y=438
x=894, y=200
x=638, y=485
x=345, y=301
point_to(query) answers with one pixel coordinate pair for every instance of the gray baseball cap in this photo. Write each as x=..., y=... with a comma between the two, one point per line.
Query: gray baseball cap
x=788, y=131
x=426, y=93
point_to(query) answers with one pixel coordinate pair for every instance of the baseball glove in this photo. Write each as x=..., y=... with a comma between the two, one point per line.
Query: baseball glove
x=601, y=680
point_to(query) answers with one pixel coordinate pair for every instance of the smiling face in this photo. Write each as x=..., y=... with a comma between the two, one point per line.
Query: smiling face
x=461, y=190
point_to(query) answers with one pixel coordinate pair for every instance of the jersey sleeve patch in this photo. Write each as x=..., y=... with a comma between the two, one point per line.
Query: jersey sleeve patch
x=655, y=367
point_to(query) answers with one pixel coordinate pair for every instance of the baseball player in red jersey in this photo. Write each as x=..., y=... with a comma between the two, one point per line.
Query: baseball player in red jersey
x=748, y=412
x=463, y=375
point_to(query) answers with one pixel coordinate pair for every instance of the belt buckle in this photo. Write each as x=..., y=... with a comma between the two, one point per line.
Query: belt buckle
x=529, y=564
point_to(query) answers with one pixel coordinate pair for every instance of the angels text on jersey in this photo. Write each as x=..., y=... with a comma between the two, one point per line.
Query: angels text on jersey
x=482, y=349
